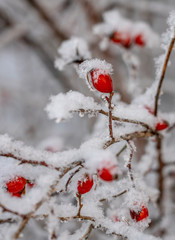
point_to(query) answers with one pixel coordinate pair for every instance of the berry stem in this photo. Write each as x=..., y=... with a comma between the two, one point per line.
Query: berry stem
x=110, y=116
x=163, y=74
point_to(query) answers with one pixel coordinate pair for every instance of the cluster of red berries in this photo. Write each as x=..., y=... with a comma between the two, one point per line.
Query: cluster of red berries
x=161, y=125
x=16, y=187
x=106, y=173
x=126, y=40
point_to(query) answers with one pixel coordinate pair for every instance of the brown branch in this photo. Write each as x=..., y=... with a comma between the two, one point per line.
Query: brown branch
x=117, y=118
x=166, y=164
x=160, y=180
x=8, y=220
x=110, y=115
x=11, y=34
x=42, y=163
x=80, y=205
x=85, y=218
x=129, y=136
x=5, y=209
x=129, y=163
x=171, y=127
x=71, y=176
x=163, y=74
x=46, y=16
x=86, y=235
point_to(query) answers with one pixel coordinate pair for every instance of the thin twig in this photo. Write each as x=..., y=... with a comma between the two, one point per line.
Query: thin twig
x=129, y=136
x=42, y=163
x=110, y=116
x=123, y=148
x=8, y=220
x=129, y=163
x=86, y=235
x=160, y=174
x=5, y=209
x=117, y=118
x=79, y=204
x=114, y=196
x=163, y=74
x=83, y=218
x=71, y=176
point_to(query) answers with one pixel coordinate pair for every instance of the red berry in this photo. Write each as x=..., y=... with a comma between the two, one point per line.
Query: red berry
x=101, y=80
x=161, y=125
x=121, y=38
x=85, y=185
x=139, y=40
x=16, y=185
x=106, y=174
x=108, y=171
x=139, y=215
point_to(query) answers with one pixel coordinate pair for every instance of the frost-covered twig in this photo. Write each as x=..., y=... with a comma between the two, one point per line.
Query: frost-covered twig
x=129, y=136
x=8, y=220
x=114, y=196
x=110, y=115
x=129, y=163
x=86, y=235
x=115, y=118
x=80, y=205
x=71, y=176
x=160, y=174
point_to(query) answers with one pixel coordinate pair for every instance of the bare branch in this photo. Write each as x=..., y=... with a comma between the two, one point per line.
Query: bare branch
x=163, y=74
x=46, y=16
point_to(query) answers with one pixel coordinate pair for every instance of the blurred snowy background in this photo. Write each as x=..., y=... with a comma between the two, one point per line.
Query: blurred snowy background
x=30, y=33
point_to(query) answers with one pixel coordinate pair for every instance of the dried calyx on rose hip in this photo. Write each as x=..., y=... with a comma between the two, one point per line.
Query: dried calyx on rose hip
x=16, y=187
x=85, y=184
x=139, y=215
x=108, y=171
x=122, y=38
x=101, y=80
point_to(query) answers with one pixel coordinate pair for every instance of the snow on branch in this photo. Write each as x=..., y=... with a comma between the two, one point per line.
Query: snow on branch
x=62, y=106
